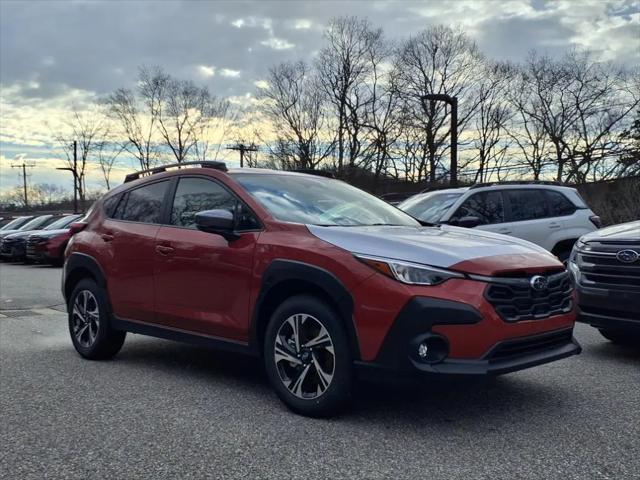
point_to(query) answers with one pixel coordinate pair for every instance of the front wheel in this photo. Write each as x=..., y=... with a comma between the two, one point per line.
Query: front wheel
x=89, y=327
x=307, y=357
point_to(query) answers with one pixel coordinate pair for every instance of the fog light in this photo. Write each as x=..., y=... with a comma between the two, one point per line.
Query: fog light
x=430, y=348
x=423, y=350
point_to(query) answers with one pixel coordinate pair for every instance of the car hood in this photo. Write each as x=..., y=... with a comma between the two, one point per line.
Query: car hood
x=444, y=246
x=50, y=233
x=625, y=232
x=20, y=234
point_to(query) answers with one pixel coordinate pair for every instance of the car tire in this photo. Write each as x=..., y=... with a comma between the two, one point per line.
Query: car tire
x=620, y=337
x=89, y=327
x=307, y=357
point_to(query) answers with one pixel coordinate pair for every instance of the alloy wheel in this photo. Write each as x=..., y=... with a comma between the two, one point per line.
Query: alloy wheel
x=85, y=318
x=304, y=356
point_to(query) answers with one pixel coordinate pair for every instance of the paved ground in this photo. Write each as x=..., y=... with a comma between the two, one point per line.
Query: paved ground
x=165, y=410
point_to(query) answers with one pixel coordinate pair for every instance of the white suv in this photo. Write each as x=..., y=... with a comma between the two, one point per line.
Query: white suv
x=544, y=213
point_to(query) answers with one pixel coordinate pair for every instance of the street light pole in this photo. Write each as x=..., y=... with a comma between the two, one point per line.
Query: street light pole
x=453, y=102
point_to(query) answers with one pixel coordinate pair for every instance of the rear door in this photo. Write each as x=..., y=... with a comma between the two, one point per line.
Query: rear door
x=129, y=237
x=530, y=217
x=202, y=280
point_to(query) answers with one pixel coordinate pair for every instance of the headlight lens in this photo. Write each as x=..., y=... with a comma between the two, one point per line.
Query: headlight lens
x=407, y=272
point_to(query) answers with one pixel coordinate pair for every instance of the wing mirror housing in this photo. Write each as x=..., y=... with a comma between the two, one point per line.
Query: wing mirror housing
x=220, y=222
x=468, y=222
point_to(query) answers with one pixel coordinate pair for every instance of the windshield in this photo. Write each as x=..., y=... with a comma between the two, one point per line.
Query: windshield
x=429, y=207
x=319, y=201
x=16, y=223
x=62, y=222
x=37, y=223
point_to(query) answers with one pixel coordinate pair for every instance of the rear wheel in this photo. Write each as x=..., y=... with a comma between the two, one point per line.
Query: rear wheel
x=621, y=337
x=89, y=327
x=307, y=357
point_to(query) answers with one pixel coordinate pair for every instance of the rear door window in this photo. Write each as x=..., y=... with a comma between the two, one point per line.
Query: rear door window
x=527, y=204
x=487, y=206
x=143, y=204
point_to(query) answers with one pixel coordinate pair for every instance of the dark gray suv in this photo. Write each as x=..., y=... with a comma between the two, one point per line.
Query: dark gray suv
x=606, y=268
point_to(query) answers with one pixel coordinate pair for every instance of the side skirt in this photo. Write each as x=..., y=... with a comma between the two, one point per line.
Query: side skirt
x=169, y=333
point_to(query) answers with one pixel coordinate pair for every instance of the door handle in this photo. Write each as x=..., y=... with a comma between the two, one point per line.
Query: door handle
x=504, y=231
x=107, y=237
x=554, y=225
x=164, y=249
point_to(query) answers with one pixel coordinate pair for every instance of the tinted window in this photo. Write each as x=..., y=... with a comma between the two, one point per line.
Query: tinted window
x=144, y=204
x=319, y=201
x=39, y=222
x=195, y=195
x=527, y=204
x=559, y=205
x=110, y=205
x=429, y=207
x=63, y=222
x=487, y=206
x=16, y=223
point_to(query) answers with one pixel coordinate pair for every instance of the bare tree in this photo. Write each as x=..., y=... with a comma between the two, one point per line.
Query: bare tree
x=217, y=124
x=344, y=67
x=107, y=153
x=293, y=104
x=439, y=60
x=136, y=115
x=88, y=129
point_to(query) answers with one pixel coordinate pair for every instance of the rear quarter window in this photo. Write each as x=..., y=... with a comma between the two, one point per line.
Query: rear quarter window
x=559, y=205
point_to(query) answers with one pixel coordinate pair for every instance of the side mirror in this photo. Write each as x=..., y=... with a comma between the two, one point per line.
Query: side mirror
x=469, y=222
x=77, y=227
x=220, y=222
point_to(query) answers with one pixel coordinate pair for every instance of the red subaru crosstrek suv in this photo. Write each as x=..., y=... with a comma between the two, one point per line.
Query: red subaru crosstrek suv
x=319, y=278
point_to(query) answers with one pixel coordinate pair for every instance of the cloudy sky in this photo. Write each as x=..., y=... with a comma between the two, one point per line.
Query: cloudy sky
x=56, y=54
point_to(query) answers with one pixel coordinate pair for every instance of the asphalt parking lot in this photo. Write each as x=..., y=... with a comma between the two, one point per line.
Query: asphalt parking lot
x=166, y=410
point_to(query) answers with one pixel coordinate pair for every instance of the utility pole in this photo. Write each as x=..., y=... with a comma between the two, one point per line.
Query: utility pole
x=453, y=102
x=24, y=165
x=241, y=147
x=74, y=171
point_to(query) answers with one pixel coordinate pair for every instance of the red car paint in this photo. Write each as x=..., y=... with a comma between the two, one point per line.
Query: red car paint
x=198, y=282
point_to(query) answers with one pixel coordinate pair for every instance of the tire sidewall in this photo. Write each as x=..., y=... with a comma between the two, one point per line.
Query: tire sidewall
x=103, y=327
x=339, y=391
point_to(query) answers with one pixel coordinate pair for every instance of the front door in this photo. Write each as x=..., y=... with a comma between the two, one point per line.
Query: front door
x=202, y=281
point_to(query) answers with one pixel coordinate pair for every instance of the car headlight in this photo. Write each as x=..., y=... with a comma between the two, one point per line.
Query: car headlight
x=407, y=272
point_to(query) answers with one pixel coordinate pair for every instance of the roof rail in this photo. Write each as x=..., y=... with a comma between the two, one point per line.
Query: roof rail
x=516, y=182
x=163, y=168
x=317, y=173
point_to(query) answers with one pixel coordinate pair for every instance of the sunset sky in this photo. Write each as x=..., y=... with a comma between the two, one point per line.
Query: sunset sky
x=58, y=54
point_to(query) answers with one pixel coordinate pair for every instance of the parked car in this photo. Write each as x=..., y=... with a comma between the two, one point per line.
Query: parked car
x=15, y=224
x=4, y=221
x=316, y=276
x=606, y=268
x=12, y=244
x=47, y=245
x=546, y=214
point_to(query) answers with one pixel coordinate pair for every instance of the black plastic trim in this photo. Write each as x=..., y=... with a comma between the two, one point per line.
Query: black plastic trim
x=281, y=270
x=81, y=260
x=482, y=366
x=178, y=335
x=415, y=321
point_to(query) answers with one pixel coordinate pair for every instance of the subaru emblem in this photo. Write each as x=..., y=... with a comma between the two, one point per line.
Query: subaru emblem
x=538, y=283
x=627, y=256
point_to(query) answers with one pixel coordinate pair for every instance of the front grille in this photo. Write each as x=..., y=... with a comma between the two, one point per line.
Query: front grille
x=600, y=268
x=31, y=245
x=514, y=299
x=530, y=345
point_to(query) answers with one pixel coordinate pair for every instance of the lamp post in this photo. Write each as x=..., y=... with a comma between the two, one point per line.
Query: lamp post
x=453, y=102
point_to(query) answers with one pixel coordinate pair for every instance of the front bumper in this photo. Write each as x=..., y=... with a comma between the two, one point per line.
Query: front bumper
x=609, y=309
x=465, y=340
x=12, y=250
